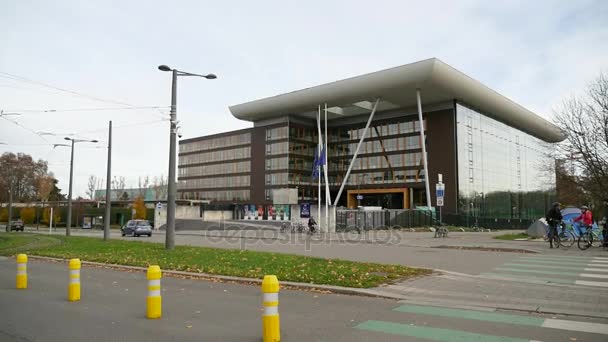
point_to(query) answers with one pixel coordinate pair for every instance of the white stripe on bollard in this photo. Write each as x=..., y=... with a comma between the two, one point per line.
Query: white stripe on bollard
x=21, y=268
x=74, y=276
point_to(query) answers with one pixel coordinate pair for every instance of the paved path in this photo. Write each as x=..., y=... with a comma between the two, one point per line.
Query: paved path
x=113, y=306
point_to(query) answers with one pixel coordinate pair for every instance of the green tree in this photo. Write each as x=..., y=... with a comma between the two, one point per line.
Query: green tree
x=28, y=215
x=140, y=208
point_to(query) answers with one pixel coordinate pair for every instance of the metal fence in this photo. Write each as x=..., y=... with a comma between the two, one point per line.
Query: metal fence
x=352, y=219
x=349, y=219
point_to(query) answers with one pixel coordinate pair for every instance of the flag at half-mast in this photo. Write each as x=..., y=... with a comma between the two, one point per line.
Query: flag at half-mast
x=319, y=161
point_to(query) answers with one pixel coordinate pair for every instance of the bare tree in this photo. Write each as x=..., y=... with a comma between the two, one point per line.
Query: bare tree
x=91, y=187
x=159, y=186
x=584, y=120
x=143, y=184
x=118, y=186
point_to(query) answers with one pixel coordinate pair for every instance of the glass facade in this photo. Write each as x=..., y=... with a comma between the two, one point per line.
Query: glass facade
x=215, y=169
x=502, y=172
x=207, y=169
x=230, y=181
x=391, y=151
x=215, y=156
x=219, y=142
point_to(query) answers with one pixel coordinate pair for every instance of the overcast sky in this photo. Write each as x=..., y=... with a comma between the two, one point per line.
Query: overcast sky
x=534, y=52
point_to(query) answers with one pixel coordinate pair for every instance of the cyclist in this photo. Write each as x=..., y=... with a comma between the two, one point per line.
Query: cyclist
x=311, y=224
x=586, y=217
x=554, y=217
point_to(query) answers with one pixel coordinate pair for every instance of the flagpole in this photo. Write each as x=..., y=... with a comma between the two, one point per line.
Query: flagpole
x=325, y=168
x=318, y=152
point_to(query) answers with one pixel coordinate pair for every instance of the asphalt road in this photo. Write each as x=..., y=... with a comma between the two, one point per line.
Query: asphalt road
x=410, y=249
x=113, y=309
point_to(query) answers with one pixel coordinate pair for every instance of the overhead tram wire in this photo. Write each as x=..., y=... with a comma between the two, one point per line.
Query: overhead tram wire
x=42, y=111
x=75, y=93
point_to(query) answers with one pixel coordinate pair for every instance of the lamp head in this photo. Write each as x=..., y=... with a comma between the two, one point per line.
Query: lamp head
x=164, y=68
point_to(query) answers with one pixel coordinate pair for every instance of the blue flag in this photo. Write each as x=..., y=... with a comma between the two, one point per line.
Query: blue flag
x=315, y=165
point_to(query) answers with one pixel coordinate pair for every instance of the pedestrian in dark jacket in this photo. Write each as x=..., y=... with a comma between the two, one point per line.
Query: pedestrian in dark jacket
x=554, y=218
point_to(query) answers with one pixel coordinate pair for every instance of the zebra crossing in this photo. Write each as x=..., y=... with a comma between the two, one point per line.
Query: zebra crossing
x=436, y=323
x=560, y=269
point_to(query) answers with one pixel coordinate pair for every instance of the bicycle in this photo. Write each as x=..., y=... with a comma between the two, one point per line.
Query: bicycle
x=567, y=236
x=589, y=238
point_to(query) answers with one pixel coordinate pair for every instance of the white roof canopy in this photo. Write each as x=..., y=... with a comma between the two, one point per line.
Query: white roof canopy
x=396, y=88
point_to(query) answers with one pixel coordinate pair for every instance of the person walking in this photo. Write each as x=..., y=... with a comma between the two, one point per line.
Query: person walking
x=554, y=218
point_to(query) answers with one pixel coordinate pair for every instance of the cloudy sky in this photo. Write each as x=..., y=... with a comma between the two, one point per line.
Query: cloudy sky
x=75, y=56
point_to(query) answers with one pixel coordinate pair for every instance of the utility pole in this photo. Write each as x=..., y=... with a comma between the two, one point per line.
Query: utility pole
x=68, y=226
x=171, y=193
x=172, y=181
x=10, y=207
x=106, y=220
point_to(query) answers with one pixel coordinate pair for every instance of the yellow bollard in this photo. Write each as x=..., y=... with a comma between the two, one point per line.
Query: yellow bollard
x=154, y=300
x=74, y=285
x=270, y=321
x=21, y=271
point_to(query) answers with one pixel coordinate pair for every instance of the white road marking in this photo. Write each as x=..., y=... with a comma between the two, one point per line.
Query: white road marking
x=587, y=327
x=595, y=269
x=597, y=264
x=591, y=283
x=591, y=275
x=595, y=261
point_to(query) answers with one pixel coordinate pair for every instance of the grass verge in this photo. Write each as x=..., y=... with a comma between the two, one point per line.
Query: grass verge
x=239, y=263
x=512, y=236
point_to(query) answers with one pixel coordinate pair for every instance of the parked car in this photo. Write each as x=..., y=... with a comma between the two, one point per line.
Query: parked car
x=17, y=225
x=137, y=228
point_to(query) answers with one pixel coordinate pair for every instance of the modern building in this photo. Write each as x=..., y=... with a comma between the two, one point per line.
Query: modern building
x=491, y=151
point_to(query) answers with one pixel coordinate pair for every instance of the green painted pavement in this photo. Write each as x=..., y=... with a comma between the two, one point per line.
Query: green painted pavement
x=521, y=270
x=433, y=334
x=472, y=315
x=530, y=277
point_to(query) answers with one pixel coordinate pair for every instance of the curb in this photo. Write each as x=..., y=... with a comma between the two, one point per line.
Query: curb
x=241, y=280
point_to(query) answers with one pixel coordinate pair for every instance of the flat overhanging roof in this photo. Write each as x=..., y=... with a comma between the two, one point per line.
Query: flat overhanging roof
x=396, y=88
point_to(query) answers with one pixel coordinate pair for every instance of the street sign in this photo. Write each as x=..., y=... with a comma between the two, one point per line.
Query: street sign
x=359, y=197
x=159, y=205
x=440, y=193
x=440, y=190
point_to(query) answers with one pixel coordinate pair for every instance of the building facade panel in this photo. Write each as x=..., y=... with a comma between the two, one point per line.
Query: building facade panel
x=502, y=172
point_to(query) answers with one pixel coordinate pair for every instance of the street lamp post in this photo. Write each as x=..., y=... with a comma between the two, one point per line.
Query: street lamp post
x=171, y=182
x=68, y=226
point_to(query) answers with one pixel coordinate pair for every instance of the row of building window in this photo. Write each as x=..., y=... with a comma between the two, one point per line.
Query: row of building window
x=395, y=127
x=370, y=178
x=215, y=182
x=215, y=169
x=362, y=162
x=215, y=156
x=208, y=144
x=375, y=146
x=277, y=133
x=224, y=195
